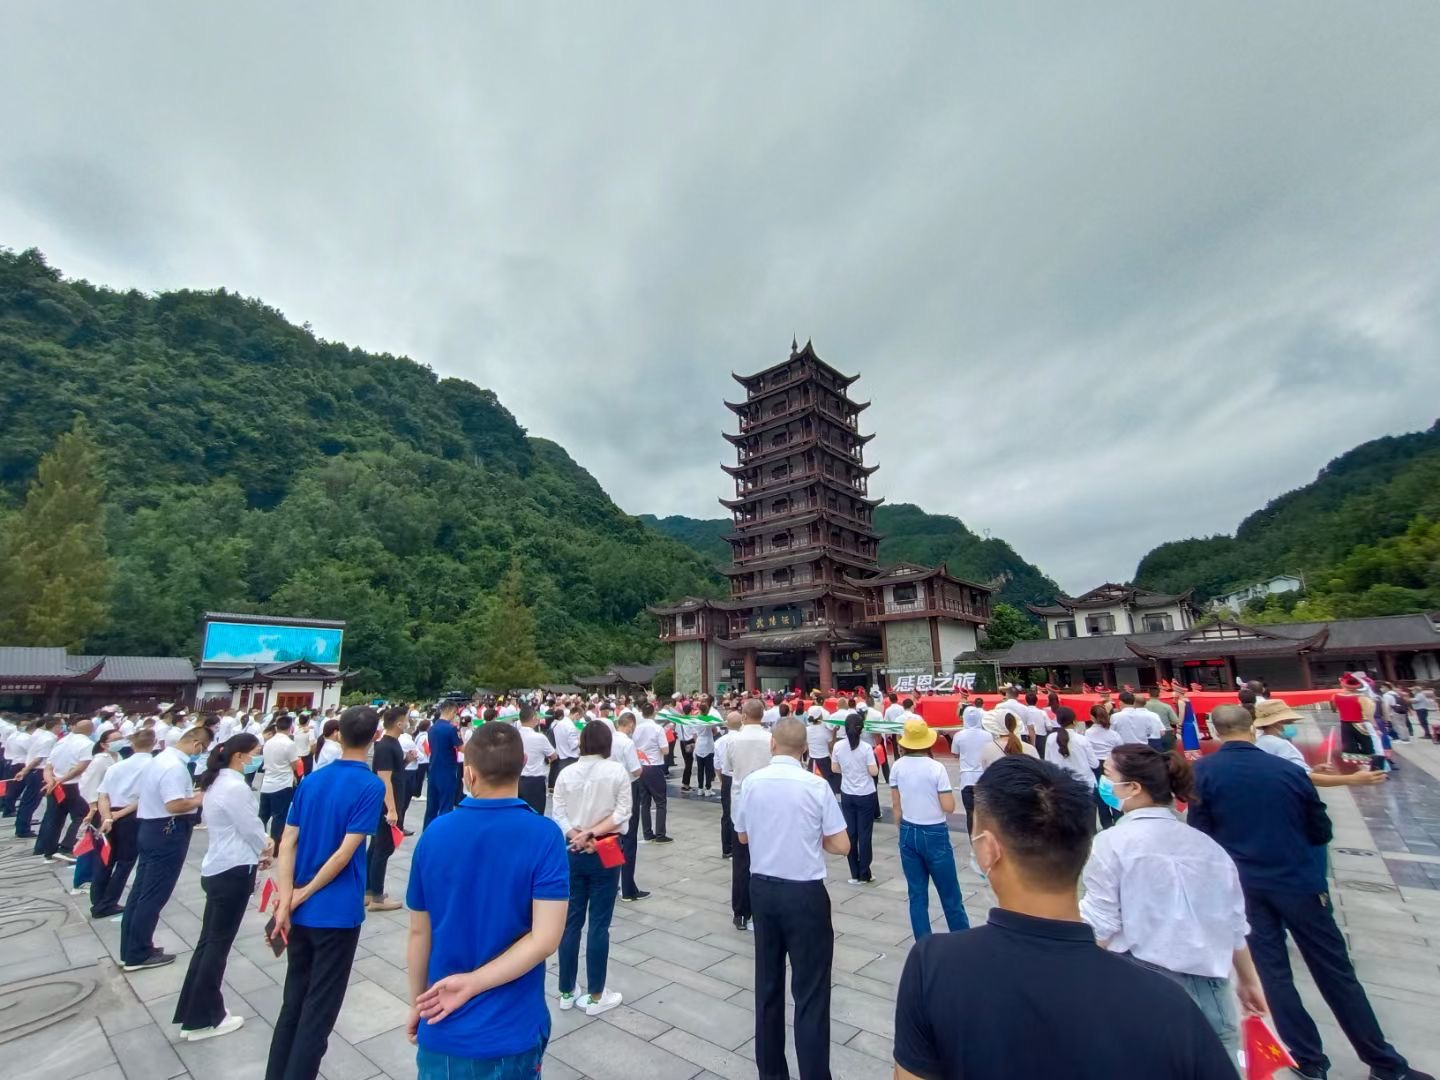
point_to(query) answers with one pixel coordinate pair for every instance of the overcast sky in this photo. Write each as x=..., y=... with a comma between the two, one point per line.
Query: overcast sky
x=1113, y=274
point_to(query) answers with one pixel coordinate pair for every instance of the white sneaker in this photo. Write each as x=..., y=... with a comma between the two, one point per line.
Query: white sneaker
x=607, y=1000
x=567, y=1002
x=225, y=1027
x=854, y=881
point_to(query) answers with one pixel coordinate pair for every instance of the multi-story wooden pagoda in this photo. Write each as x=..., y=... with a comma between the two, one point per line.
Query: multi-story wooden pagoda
x=802, y=544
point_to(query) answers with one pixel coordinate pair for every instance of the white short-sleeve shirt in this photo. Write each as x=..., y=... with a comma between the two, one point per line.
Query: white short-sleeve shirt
x=786, y=811
x=855, y=778
x=920, y=781
x=167, y=779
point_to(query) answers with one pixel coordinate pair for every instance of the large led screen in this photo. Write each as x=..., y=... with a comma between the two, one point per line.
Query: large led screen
x=251, y=643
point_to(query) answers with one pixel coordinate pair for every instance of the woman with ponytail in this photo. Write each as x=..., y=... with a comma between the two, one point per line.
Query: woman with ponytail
x=1102, y=740
x=1072, y=752
x=238, y=844
x=855, y=761
x=1012, y=743
x=1165, y=894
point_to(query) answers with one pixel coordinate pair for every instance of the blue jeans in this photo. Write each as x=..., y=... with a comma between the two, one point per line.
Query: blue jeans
x=522, y=1066
x=925, y=856
x=592, y=890
x=1215, y=999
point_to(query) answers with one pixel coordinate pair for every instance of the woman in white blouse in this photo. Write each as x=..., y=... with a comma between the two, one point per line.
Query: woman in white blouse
x=1068, y=749
x=329, y=744
x=1102, y=739
x=1166, y=894
x=855, y=761
x=238, y=844
x=591, y=802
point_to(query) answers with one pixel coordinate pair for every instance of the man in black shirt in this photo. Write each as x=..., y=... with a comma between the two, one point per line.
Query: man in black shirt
x=388, y=763
x=1036, y=959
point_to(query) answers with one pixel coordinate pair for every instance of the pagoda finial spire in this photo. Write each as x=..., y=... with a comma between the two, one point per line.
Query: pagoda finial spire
x=794, y=344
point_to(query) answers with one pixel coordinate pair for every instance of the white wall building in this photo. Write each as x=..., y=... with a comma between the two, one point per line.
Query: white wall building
x=1281, y=583
x=1117, y=609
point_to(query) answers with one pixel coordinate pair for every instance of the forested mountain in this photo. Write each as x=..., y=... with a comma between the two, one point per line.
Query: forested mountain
x=250, y=466
x=1346, y=531
x=908, y=534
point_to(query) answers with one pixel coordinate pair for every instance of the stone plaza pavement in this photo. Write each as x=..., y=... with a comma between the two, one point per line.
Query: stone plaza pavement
x=66, y=1010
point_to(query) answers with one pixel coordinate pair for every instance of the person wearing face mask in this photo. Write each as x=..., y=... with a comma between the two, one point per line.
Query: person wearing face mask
x=238, y=846
x=1151, y=866
x=1275, y=727
x=116, y=800
x=1032, y=838
x=107, y=753
x=167, y=803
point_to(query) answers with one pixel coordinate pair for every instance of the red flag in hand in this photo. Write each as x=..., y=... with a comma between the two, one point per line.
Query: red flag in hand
x=1263, y=1052
x=397, y=834
x=299, y=767
x=59, y=794
x=84, y=845
x=104, y=850
x=266, y=893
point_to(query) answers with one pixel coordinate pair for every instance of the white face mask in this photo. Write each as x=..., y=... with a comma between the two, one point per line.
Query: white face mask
x=985, y=870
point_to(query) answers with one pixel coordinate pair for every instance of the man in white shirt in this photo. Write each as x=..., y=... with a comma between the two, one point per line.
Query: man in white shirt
x=405, y=788
x=748, y=752
x=650, y=747
x=1134, y=724
x=567, y=740
x=894, y=711
x=119, y=792
x=62, y=789
x=228, y=725
x=538, y=754
x=772, y=714
x=31, y=777
x=788, y=819
x=727, y=781
x=166, y=802
x=622, y=750
x=277, y=783
x=17, y=749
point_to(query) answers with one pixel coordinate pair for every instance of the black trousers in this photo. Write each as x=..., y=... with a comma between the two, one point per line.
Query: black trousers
x=740, y=880
x=227, y=893
x=532, y=790
x=382, y=846
x=727, y=828
x=108, y=884
x=27, y=802
x=831, y=776
x=967, y=799
x=163, y=844
x=403, y=793
x=1311, y=922
x=687, y=751
x=652, y=795
x=792, y=919
x=421, y=771
x=705, y=771
x=315, y=982
x=628, y=843
x=49, y=841
x=274, y=809
x=860, y=812
x=12, y=791
x=1108, y=816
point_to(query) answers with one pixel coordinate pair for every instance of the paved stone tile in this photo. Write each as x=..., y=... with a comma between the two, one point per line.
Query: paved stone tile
x=159, y=982
x=719, y=1022
x=69, y=1048
x=696, y=980
x=864, y=1011
x=878, y=1047
x=368, y=1011
x=265, y=1002
x=110, y=1072
x=681, y=950
x=146, y=1054
x=604, y=1052
x=385, y=975
x=342, y=1061
x=393, y=1053
x=707, y=1055
x=737, y=970
x=636, y=1023
x=845, y=1064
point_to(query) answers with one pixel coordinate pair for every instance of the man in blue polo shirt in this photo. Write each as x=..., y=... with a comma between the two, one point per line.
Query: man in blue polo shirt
x=445, y=742
x=320, y=901
x=489, y=888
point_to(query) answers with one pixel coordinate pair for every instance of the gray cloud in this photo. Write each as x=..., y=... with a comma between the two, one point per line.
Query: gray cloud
x=1112, y=276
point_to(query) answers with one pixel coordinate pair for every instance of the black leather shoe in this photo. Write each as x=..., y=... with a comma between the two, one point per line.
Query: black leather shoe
x=739, y=922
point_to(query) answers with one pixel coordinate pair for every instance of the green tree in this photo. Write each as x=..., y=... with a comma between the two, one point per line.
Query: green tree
x=55, y=569
x=1007, y=625
x=509, y=659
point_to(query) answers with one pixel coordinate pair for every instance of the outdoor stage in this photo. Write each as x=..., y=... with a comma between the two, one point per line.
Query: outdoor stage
x=941, y=711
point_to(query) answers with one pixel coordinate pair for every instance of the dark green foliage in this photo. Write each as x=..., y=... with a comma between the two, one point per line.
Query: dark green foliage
x=1007, y=625
x=254, y=467
x=1372, y=492
x=908, y=534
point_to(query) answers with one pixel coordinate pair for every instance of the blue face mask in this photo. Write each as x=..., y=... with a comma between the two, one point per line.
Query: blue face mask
x=1288, y=731
x=1106, y=790
x=252, y=766
x=195, y=759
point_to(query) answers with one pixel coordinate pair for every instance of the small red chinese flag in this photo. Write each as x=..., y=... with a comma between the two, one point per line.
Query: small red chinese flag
x=84, y=845
x=104, y=851
x=397, y=834
x=299, y=766
x=59, y=794
x=1263, y=1052
x=265, y=894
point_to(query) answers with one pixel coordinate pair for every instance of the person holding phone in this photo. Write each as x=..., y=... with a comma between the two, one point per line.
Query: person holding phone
x=238, y=846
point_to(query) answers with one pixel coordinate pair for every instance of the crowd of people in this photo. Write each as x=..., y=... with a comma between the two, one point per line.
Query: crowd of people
x=1091, y=832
